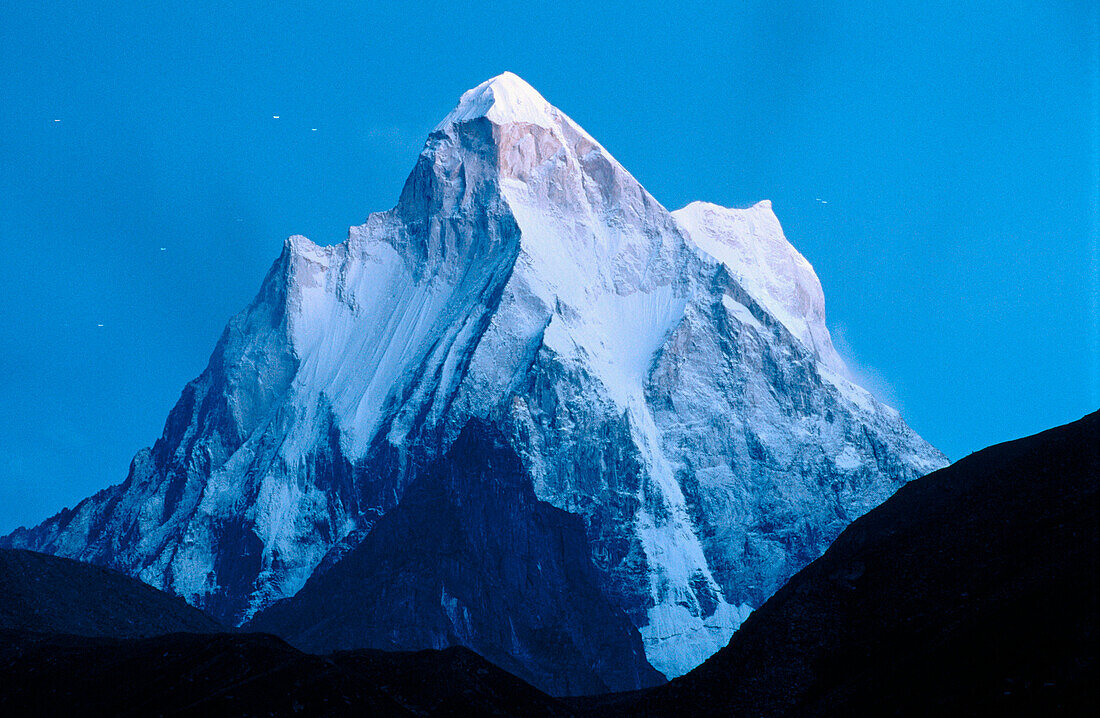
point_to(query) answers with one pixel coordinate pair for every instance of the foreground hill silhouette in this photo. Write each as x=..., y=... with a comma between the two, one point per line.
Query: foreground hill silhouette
x=58, y=595
x=252, y=674
x=971, y=591
x=80, y=640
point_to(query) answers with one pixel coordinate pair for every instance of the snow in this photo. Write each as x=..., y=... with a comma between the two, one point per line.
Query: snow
x=677, y=641
x=741, y=313
x=503, y=99
x=848, y=459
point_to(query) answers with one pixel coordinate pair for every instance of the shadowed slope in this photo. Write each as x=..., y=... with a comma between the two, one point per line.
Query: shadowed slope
x=470, y=557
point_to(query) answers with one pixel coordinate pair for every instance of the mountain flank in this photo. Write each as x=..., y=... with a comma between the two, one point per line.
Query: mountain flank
x=972, y=591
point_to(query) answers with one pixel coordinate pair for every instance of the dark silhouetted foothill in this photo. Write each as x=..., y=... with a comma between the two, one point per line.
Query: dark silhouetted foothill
x=49, y=594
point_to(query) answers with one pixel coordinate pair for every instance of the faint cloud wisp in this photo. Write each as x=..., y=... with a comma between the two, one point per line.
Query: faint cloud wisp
x=863, y=374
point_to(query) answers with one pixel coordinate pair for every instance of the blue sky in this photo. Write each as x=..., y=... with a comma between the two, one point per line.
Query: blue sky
x=956, y=146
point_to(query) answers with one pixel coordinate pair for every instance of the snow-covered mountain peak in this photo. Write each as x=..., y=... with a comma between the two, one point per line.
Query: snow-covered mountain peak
x=751, y=244
x=586, y=226
x=636, y=360
x=527, y=131
x=503, y=99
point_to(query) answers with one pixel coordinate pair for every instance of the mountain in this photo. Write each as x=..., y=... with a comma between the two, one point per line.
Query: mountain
x=47, y=594
x=249, y=675
x=972, y=591
x=666, y=378
x=470, y=557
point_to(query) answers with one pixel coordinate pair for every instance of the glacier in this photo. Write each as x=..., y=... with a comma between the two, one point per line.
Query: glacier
x=667, y=377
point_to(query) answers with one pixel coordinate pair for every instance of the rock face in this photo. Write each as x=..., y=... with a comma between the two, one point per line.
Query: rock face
x=665, y=377
x=971, y=591
x=470, y=557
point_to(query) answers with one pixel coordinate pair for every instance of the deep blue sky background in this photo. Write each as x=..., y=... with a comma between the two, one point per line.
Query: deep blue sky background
x=955, y=144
